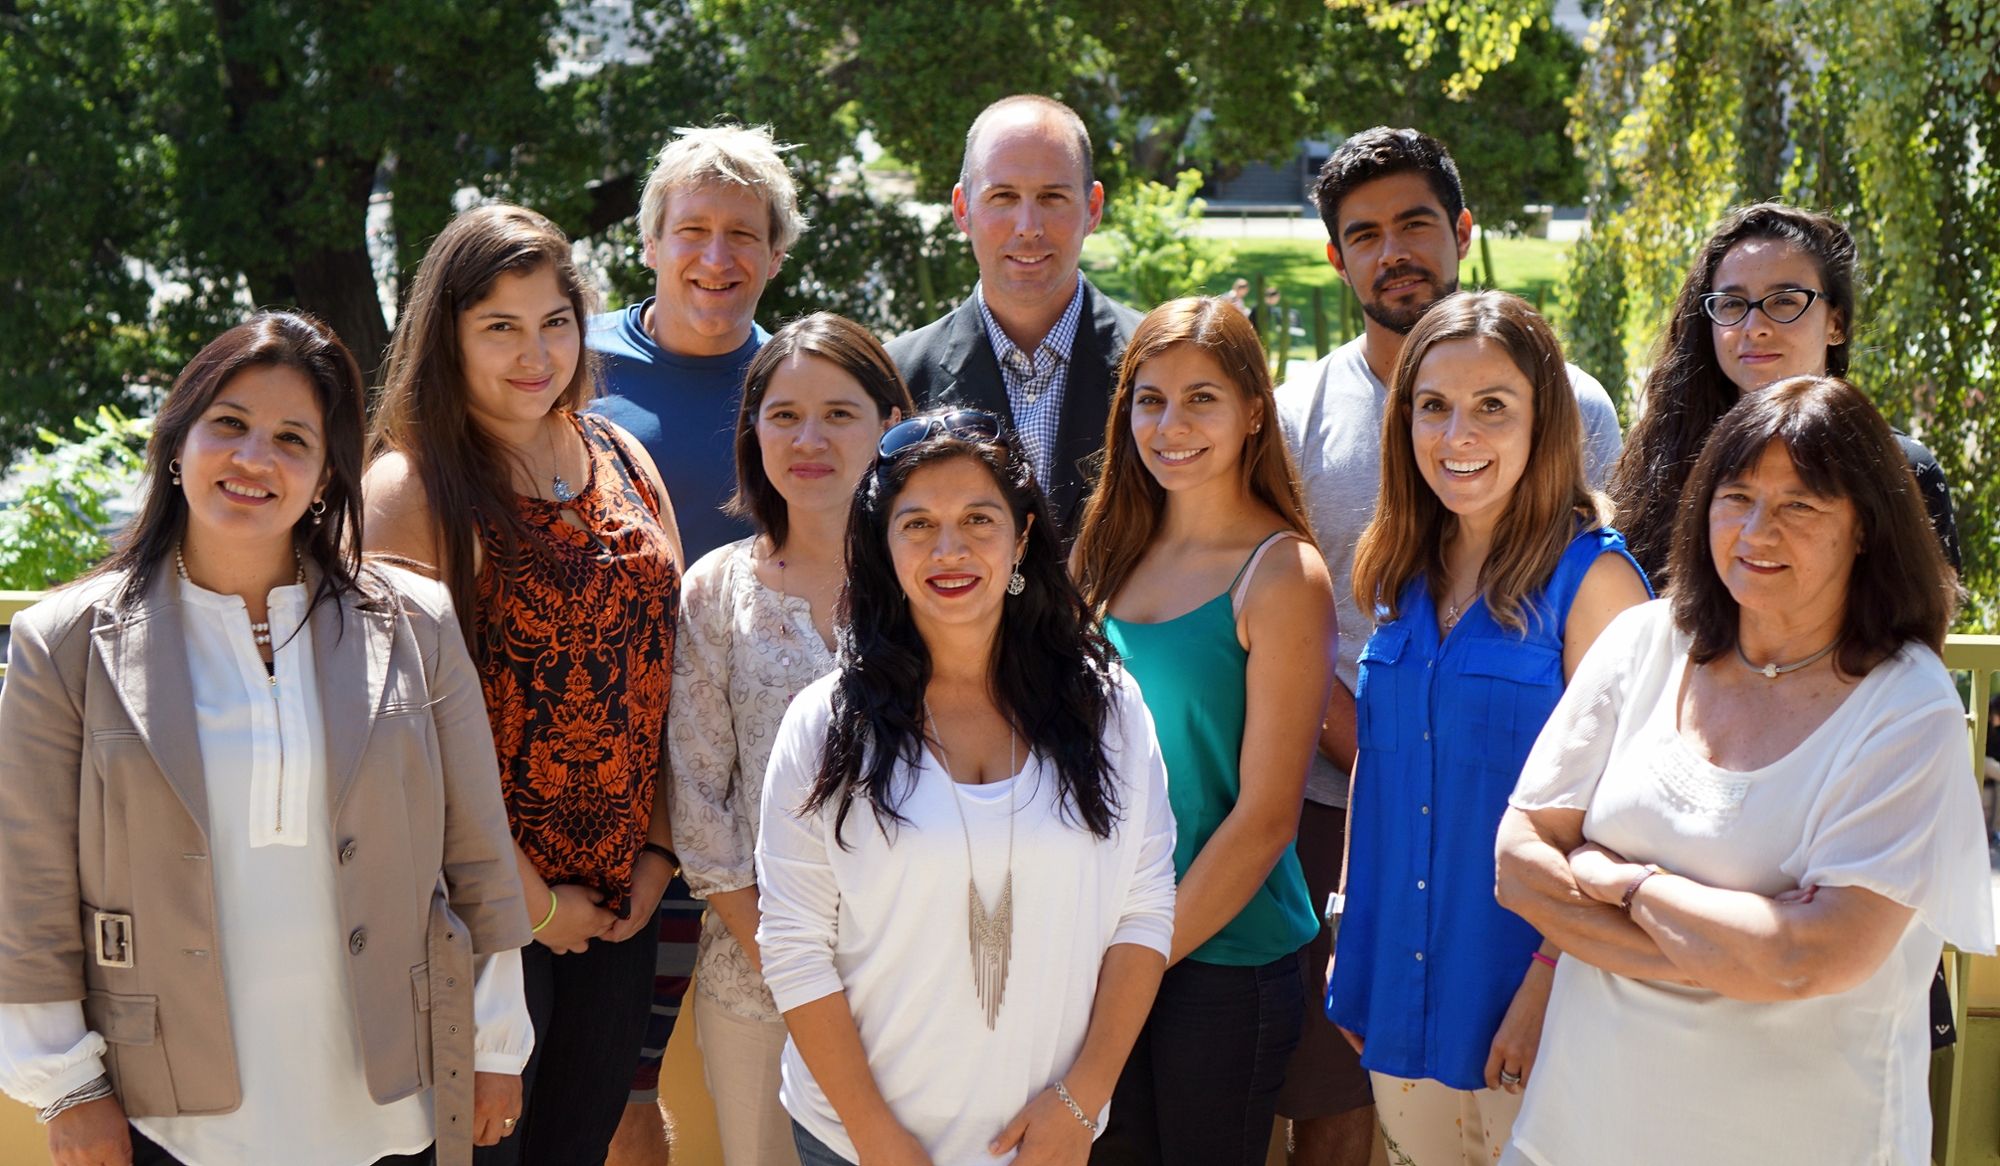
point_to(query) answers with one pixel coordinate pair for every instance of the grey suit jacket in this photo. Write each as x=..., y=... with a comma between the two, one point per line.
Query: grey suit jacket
x=950, y=361
x=106, y=894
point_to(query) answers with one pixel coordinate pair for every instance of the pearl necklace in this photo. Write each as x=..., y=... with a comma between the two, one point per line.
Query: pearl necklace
x=260, y=633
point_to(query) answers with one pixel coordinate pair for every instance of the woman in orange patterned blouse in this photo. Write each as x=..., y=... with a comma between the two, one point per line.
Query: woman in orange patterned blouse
x=558, y=544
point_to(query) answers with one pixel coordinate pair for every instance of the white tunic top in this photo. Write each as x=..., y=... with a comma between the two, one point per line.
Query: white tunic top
x=1641, y=1073
x=284, y=955
x=885, y=921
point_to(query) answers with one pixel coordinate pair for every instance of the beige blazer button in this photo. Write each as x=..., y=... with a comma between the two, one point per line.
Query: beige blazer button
x=357, y=941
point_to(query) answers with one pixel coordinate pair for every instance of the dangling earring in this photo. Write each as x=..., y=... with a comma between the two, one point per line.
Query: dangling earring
x=318, y=509
x=174, y=467
x=1016, y=584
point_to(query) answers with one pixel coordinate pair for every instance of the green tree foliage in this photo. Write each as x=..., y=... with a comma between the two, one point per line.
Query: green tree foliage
x=230, y=150
x=166, y=165
x=1510, y=138
x=83, y=190
x=1152, y=245
x=54, y=529
x=1163, y=86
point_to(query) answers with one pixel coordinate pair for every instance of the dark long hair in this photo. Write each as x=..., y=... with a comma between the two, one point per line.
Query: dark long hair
x=291, y=340
x=422, y=413
x=1900, y=587
x=1051, y=669
x=1686, y=392
x=837, y=340
x=1125, y=509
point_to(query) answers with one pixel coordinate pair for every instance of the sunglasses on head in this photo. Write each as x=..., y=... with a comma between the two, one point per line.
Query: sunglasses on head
x=964, y=424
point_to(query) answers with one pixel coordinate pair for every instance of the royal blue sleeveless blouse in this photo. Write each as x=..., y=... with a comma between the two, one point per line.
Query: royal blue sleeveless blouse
x=1427, y=961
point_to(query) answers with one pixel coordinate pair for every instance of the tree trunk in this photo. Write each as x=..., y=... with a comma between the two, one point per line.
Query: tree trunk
x=338, y=286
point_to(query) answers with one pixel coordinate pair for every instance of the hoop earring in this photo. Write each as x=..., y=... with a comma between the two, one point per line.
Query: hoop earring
x=318, y=510
x=174, y=468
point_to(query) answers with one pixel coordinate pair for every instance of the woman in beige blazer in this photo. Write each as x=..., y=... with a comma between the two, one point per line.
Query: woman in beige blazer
x=257, y=895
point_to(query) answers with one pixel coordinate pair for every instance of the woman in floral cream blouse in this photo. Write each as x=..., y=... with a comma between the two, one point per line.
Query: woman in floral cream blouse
x=757, y=628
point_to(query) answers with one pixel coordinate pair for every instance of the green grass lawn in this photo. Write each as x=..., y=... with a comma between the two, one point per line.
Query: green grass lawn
x=1529, y=268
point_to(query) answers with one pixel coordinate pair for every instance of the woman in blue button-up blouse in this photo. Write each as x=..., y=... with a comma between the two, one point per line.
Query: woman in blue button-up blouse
x=1492, y=572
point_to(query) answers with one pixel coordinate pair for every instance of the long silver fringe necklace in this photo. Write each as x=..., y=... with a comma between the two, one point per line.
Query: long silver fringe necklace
x=992, y=936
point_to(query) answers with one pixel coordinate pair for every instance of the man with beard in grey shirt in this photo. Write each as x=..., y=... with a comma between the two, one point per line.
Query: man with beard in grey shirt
x=1397, y=224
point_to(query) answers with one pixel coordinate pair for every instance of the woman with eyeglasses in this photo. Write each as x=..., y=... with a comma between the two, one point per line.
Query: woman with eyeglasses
x=965, y=851
x=1770, y=296
x=1196, y=553
x=756, y=629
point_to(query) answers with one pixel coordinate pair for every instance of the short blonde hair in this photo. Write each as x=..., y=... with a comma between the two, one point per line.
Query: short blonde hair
x=744, y=156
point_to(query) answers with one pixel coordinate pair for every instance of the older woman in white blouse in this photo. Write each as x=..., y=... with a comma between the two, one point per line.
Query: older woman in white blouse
x=257, y=894
x=1749, y=824
x=756, y=629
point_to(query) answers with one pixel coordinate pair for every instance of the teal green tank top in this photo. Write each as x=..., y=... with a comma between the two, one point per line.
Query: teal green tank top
x=1191, y=671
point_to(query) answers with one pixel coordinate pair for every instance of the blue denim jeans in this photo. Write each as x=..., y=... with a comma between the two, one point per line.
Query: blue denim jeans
x=1201, y=1086
x=812, y=1151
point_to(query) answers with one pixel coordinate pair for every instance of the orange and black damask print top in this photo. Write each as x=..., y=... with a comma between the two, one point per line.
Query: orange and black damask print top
x=577, y=666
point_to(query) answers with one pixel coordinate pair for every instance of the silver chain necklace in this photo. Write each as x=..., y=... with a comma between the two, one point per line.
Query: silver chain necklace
x=992, y=935
x=1773, y=670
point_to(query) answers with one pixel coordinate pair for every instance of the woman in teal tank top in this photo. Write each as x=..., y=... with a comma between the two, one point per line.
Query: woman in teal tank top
x=1196, y=552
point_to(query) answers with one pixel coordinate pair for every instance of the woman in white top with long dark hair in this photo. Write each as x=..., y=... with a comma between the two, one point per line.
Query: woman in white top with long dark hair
x=251, y=837
x=1749, y=824
x=756, y=628
x=966, y=851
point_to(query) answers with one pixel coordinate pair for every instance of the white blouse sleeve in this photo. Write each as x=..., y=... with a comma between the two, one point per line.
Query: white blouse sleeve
x=46, y=1052
x=798, y=895
x=714, y=849
x=503, y=1035
x=1900, y=814
x=1148, y=916
x=1575, y=744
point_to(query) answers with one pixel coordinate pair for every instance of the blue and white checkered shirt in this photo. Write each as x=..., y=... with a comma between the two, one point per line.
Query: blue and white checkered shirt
x=1035, y=384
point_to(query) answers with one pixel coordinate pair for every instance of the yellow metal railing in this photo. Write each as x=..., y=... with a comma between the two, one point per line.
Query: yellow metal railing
x=10, y=603
x=1960, y=1111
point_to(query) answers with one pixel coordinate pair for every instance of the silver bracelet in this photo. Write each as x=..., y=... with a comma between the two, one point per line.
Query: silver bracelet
x=1062, y=1092
x=100, y=1087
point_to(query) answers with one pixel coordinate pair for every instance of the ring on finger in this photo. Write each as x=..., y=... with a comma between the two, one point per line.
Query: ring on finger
x=508, y=1122
x=1507, y=1078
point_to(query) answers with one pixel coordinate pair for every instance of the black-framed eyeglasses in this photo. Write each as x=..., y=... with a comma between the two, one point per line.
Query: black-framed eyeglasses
x=964, y=424
x=1780, y=307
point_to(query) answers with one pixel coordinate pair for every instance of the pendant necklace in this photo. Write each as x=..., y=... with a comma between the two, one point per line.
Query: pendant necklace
x=992, y=935
x=563, y=491
x=1773, y=670
x=1451, y=612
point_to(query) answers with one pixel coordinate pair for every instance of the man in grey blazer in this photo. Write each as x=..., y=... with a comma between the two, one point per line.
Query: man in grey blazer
x=1035, y=343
